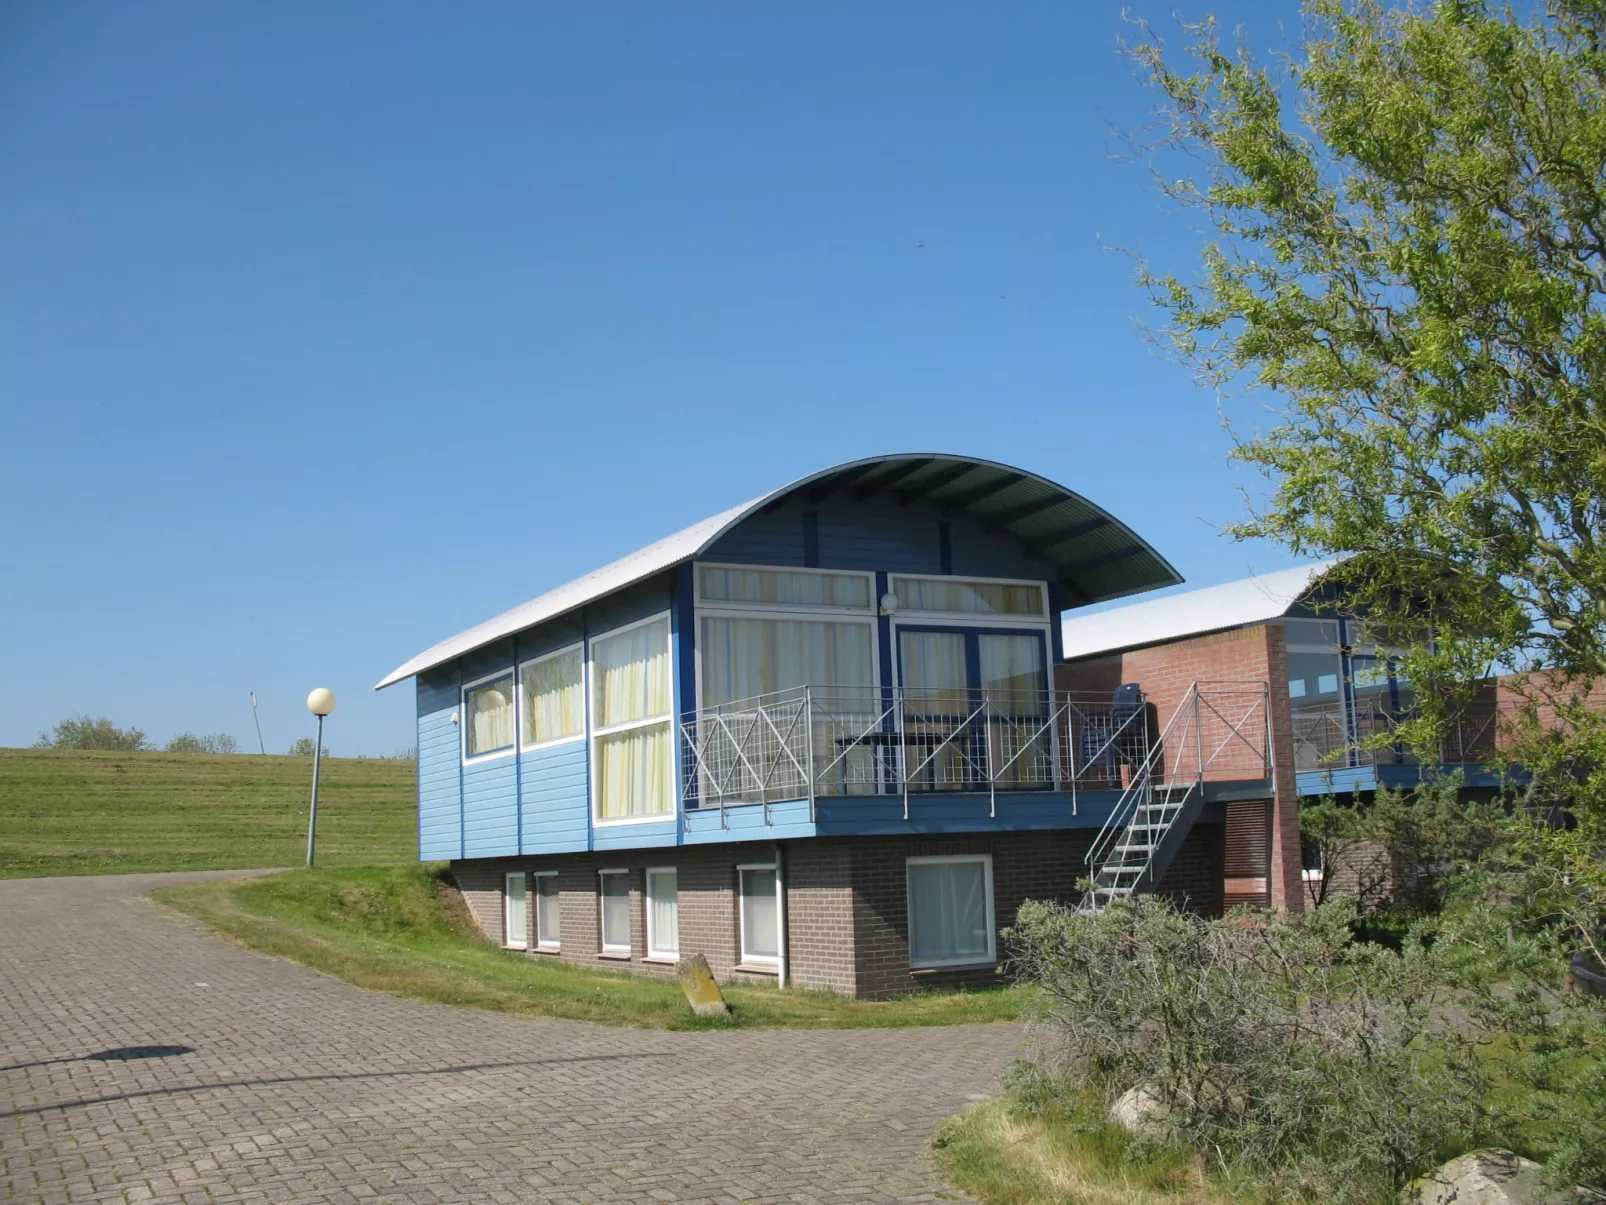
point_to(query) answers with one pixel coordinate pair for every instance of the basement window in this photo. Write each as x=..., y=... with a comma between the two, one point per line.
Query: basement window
x=615, y=903
x=515, y=912
x=760, y=908
x=546, y=909
x=951, y=911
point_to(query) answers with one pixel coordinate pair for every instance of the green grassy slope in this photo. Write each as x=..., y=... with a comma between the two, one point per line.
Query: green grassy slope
x=118, y=813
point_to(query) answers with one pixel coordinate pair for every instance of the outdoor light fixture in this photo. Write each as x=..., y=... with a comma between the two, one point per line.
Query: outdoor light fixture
x=320, y=702
x=889, y=604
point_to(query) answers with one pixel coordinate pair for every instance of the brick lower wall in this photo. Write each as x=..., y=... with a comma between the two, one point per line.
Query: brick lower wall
x=847, y=923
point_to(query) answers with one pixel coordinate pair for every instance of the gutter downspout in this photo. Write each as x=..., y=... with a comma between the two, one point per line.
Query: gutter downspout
x=780, y=919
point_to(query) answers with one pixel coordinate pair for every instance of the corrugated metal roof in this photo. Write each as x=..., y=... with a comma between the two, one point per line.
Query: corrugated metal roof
x=1096, y=556
x=1191, y=613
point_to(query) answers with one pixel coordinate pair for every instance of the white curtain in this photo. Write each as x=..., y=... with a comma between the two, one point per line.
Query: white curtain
x=786, y=588
x=746, y=658
x=1012, y=672
x=554, y=698
x=546, y=909
x=518, y=911
x=761, y=928
x=616, y=910
x=948, y=912
x=630, y=675
x=932, y=672
x=970, y=598
x=663, y=908
x=490, y=716
x=633, y=772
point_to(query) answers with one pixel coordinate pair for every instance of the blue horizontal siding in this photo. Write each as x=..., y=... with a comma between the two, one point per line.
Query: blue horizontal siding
x=490, y=809
x=651, y=835
x=748, y=823
x=556, y=799
x=440, y=813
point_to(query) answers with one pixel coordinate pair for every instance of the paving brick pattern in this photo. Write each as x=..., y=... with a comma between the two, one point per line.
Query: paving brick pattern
x=301, y=1088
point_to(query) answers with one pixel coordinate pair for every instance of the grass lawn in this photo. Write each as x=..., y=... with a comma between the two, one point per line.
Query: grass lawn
x=1006, y=1153
x=404, y=931
x=65, y=812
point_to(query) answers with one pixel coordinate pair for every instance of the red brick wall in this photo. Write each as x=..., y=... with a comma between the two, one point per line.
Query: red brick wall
x=1252, y=656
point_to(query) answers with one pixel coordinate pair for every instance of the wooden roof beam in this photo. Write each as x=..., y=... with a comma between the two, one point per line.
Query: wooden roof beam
x=926, y=488
x=1064, y=535
x=963, y=502
x=1002, y=520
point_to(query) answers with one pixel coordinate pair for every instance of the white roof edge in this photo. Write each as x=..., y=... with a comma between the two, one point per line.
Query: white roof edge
x=1190, y=613
x=626, y=571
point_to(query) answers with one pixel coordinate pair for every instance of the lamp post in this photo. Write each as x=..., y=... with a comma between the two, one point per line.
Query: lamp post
x=320, y=702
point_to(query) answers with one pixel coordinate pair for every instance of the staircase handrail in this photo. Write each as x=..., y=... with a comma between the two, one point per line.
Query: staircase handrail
x=1138, y=789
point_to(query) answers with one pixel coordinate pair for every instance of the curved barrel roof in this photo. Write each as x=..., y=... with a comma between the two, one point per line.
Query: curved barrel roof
x=1094, y=555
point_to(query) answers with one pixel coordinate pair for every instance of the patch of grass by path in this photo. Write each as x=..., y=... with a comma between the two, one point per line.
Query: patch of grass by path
x=68, y=812
x=404, y=931
x=1007, y=1152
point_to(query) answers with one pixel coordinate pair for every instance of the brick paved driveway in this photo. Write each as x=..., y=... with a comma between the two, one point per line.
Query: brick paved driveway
x=300, y=1088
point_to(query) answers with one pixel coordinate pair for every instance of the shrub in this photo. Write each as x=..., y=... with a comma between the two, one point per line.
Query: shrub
x=1279, y=1047
x=82, y=732
x=305, y=748
x=217, y=742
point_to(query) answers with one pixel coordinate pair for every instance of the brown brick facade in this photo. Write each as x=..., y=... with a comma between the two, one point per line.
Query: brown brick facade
x=846, y=914
x=1262, y=856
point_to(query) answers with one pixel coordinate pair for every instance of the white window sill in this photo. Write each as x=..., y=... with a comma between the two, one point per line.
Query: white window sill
x=666, y=960
x=757, y=968
x=616, y=955
x=917, y=968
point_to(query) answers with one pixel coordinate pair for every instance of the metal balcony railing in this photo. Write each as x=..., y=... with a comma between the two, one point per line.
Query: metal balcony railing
x=1337, y=735
x=812, y=742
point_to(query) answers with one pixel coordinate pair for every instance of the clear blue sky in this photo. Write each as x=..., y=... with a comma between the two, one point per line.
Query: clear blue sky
x=329, y=330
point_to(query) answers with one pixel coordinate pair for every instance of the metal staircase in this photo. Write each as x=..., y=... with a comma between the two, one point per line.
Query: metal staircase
x=1166, y=793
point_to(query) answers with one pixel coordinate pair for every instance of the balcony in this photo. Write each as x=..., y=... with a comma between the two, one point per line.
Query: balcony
x=810, y=743
x=1341, y=735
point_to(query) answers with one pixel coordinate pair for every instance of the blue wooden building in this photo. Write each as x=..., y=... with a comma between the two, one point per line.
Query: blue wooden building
x=814, y=737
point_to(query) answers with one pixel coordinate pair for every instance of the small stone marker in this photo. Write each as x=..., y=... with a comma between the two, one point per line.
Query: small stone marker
x=701, y=990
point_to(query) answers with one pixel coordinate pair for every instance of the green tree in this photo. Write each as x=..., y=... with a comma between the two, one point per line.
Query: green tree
x=305, y=748
x=83, y=732
x=1409, y=261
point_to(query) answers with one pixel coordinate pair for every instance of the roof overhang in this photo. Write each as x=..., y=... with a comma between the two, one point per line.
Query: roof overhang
x=1093, y=556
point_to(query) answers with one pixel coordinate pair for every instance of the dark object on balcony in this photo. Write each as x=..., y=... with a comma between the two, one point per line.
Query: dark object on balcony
x=1120, y=740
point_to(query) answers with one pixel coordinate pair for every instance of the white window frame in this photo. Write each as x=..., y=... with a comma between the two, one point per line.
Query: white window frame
x=974, y=619
x=759, y=960
x=724, y=604
x=536, y=894
x=653, y=950
x=592, y=733
x=987, y=896
x=602, y=910
x=522, y=941
x=468, y=719
x=518, y=690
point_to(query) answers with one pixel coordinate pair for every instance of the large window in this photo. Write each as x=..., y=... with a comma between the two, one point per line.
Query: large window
x=515, y=911
x=782, y=587
x=663, y=913
x=760, y=915
x=553, y=692
x=615, y=898
x=488, y=716
x=744, y=658
x=950, y=910
x=958, y=597
x=630, y=719
x=547, y=930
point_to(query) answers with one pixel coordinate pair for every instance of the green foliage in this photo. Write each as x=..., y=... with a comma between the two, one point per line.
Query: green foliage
x=305, y=747
x=83, y=732
x=1409, y=255
x=217, y=742
x=1278, y=1046
x=406, y=931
